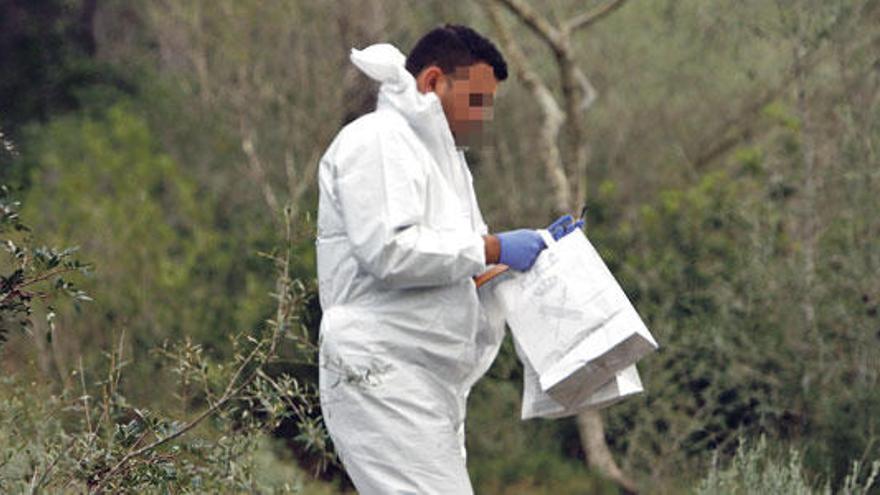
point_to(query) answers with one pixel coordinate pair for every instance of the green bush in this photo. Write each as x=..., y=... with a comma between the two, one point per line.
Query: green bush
x=756, y=469
x=166, y=269
x=83, y=433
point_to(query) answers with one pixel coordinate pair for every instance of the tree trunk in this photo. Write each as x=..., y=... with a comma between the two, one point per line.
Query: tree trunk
x=591, y=430
x=569, y=184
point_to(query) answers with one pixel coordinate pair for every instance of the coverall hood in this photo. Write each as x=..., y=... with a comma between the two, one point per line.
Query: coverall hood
x=386, y=64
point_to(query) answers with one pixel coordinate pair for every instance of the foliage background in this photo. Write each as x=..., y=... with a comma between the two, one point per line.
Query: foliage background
x=733, y=188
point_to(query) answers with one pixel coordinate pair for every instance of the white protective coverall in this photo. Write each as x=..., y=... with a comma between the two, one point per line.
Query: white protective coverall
x=403, y=335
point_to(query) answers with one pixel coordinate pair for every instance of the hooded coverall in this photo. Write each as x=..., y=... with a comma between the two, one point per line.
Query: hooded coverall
x=404, y=335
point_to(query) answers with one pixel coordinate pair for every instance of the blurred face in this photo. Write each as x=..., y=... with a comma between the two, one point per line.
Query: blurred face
x=467, y=96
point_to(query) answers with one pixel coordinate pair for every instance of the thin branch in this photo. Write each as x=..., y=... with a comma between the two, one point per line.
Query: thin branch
x=744, y=125
x=589, y=91
x=232, y=390
x=592, y=16
x=298, y=185
x=553, y=117
x=85, y=397
x=539, y=24
x=257, y=171
x=35, y=487
x=40, y=278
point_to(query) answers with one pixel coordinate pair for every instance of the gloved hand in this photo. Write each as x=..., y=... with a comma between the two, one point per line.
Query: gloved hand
x=520, y=248
x=563, y=226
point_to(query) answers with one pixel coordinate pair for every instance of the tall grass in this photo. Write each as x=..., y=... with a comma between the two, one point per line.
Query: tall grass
x=756, y=469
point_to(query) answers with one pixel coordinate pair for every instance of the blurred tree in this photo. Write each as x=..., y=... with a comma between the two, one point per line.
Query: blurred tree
x=49, y=67
x=569, y=177
x=164, y=271
x=46, y=46
x=32, y=274
x=48, y=49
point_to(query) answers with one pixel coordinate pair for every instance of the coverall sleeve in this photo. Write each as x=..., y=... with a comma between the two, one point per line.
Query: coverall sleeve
x=381, y=190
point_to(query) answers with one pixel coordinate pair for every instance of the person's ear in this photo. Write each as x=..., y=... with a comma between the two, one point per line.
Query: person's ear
x=429, y=79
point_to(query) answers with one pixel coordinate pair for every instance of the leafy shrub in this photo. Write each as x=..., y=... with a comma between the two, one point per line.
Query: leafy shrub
x=755, y=469
x=89, y=437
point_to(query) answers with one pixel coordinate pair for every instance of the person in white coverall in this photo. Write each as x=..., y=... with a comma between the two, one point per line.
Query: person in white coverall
x=400, y=236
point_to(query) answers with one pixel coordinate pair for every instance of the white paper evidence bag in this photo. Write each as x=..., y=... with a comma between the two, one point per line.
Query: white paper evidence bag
x=575, y=331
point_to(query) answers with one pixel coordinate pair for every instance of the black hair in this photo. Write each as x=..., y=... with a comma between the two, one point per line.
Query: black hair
x=454, y=45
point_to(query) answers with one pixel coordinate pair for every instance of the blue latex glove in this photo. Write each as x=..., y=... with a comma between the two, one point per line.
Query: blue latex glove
x=520, y=248
x=563, y=226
